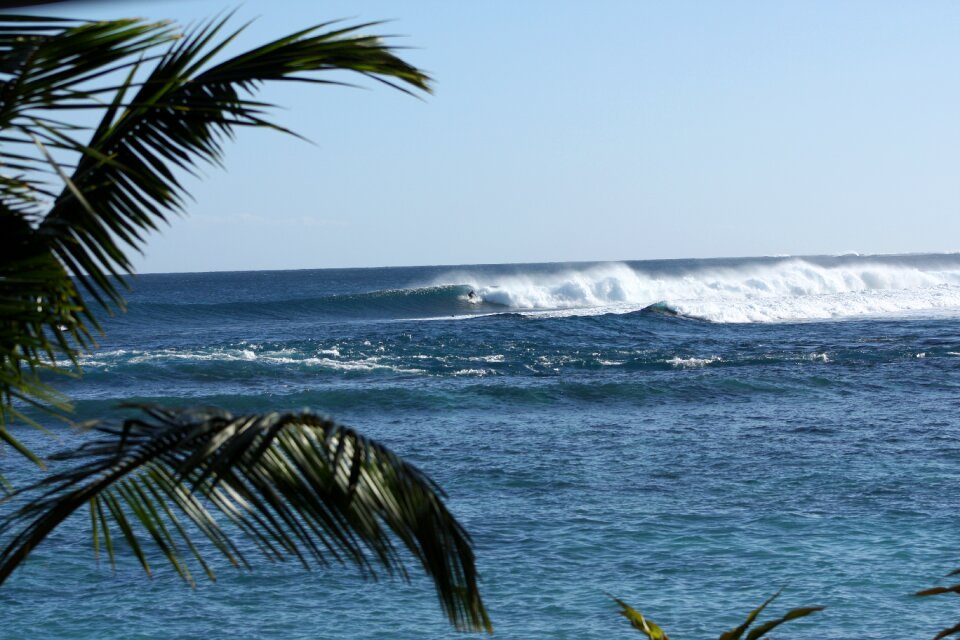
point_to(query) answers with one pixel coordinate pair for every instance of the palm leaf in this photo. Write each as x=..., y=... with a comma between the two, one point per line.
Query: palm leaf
x=758, y=632
x=947, y=632
x=737, y=632
x=71, y=209
x=179, y=115
x=637, y=620
x=53, y=65
x=763, y=628
x=38, y=303
x=935, y=591
x=654, y=632
x=45, y=64
x=297, y=485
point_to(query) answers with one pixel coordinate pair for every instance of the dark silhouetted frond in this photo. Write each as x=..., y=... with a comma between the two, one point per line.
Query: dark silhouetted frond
x=299, y=486
x=75, y=200
x=935, y=591
x=174, y=118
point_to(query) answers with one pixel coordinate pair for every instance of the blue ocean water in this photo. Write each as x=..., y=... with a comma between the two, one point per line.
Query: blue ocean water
x=688, y=435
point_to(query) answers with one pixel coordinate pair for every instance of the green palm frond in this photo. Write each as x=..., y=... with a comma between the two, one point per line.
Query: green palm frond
x=176, y=117
x=639, y=622
x=47, y=64
x=74, y=200
x=764, y=627
x=737, y=632
x=54, y=65
x=299, y=486
x=38, y=303
x=654, y=632
x=800, y=612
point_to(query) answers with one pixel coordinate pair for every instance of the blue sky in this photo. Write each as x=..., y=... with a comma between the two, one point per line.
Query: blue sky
x=603, y=130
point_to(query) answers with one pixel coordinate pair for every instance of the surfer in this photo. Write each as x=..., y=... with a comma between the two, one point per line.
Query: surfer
x=472, y=295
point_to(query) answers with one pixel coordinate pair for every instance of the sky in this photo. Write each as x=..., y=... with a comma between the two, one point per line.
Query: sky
x=604, y=130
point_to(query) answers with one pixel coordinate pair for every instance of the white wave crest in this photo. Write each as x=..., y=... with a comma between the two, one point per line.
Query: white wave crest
x=687, y=363
x=786, y=290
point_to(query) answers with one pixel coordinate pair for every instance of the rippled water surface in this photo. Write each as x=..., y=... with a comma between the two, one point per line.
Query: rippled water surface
x=690, y=436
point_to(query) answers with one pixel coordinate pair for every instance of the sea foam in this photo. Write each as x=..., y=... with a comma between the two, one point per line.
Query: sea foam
x=785, y=290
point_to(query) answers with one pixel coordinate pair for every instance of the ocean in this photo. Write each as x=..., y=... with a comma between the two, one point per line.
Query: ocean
x=688, y=435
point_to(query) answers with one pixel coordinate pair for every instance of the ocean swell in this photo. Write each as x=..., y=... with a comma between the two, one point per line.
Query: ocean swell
x=791, y=289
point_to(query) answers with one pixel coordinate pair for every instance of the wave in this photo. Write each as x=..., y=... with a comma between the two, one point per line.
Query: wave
x=417, y=302
x=727, y=291
x=758, y=290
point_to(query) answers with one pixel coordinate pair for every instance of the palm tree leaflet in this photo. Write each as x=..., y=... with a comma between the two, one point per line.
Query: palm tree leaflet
x=74, y=201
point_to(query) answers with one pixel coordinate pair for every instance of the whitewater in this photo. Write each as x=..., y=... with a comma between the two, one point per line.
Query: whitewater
x=688, y=435
x=778, y=290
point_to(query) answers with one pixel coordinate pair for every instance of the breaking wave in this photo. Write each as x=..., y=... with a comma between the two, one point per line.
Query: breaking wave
x=729, y=291
x=769, y=290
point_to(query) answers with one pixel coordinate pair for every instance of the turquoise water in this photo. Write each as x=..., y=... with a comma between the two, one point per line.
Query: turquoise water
x=690, y=436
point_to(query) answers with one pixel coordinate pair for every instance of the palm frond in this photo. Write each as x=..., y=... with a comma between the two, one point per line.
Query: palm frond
x=52, y=64
x=737, y=632
x=46, y=63
x=56, y=65
x=759, y=631
x=946, y=633
x=935, y=591
x=800, y=612
x=639, y=622
x=38, y=331
x=299, y=486
x=654, y=632
x=176, y=117
x=80, y=206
